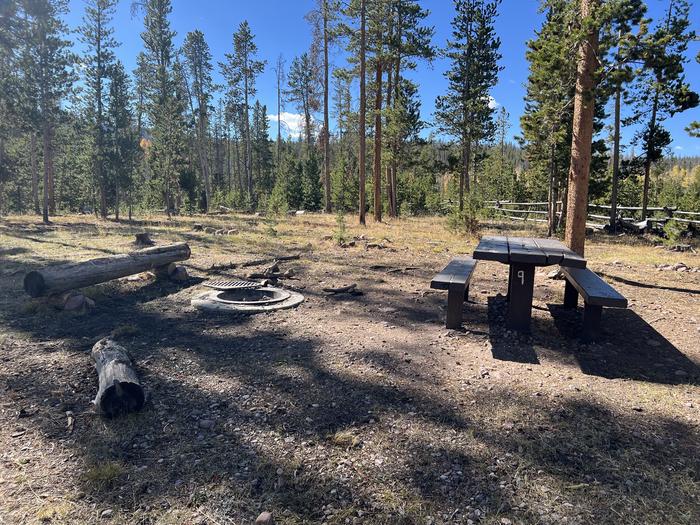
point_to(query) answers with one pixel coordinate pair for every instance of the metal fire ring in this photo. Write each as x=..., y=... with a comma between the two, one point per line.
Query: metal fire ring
x=221, y=301
x=231, y=285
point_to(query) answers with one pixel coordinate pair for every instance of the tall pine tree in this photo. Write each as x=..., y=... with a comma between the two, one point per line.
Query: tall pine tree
x=241, y=70
x=97, y=35
x=198, y=63
x=660, y=89
x=464, y=112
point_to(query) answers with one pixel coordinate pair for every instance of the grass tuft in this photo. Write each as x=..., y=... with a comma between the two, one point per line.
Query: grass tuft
x=51, y=511
x=125, y=330
x=103, y=475
x=345, y=439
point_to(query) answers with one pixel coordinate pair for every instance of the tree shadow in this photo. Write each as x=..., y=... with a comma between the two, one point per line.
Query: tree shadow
x=280, y=416
x=31, y=238
x=628, y=348
x=507, y=345
x=638, y=284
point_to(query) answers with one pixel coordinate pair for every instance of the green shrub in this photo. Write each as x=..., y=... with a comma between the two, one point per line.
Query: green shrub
x=340, y=234
x=673, y=232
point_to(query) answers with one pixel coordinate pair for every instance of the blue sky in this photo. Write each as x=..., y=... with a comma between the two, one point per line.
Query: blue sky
x=279, y=27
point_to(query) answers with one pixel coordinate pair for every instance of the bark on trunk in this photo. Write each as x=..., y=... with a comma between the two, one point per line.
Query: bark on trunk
x=378, y=142
x=584, y=106
x=389, y=187
x=326, y=132
x=551, y=196
x=116, y=202
x=464, y=174
x=47, y=154
x=57, y=279
x=647, y=160
x=363, y=105
x=35, y=172
x=397, y=93
x=120, y=390
x=49, y=161
x=616, y=162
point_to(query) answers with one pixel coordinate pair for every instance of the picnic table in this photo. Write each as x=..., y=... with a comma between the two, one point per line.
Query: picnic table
x=523, y=254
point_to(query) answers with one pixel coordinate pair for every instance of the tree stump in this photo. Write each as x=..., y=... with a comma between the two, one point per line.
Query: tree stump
x=120, y=391
x=144, y=239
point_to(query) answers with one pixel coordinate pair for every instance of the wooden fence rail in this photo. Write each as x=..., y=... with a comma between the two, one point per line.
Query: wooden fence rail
x=626, y=221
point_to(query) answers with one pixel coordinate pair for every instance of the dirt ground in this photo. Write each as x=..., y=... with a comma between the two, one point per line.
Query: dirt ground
x=350, y=408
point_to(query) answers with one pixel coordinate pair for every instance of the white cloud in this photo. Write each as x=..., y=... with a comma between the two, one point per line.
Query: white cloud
x=292, y=123
x=492, y=102
x=678, y=148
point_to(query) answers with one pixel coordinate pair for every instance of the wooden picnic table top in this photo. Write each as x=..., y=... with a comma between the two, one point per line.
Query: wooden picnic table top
x=527, y=250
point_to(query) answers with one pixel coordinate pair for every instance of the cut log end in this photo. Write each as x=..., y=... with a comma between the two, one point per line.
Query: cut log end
x=122, y=398
x=120, y=391
x=34, y=284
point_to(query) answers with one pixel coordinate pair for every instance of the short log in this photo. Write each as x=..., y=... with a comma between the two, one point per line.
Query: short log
x=166, y=271
x=120, y=391
x=60, y=278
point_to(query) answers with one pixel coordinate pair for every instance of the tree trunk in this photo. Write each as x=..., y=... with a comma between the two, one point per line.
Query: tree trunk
x=47, y=155
x=551, y=194
x=363, y=109
x=397, y=94
x=120, y=390
x=116, y=202
x=378, y=140
x=35, y=172
x=99, y=125
x=389, y=188
x=57, y=279
x=326, y=132
x=475, y=167
x=464, y=173
x=584, y=107
x=279, y=112
x=648, y=160
x=49, y=162
x=616, y=162
x=246, y=127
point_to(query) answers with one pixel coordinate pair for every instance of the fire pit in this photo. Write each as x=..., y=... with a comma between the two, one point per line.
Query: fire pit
x=247, y=300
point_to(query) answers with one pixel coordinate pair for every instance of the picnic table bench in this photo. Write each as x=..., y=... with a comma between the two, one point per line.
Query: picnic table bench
x=455, y=279
x=596, y=294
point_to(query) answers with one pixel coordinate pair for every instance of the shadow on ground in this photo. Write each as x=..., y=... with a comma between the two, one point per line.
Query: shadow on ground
x=298, y=428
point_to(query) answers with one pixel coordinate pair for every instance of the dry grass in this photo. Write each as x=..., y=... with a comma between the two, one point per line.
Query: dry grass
x=103, y=475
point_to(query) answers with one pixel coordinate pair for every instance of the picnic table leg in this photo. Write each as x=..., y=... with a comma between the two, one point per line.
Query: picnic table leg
x=510, y=279
x=591, y=321
x=456, y=295
x=520, y=303
x=570, y=295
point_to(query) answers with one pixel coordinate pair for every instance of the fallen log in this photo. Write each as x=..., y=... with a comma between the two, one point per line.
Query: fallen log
x=120, y=390
x=257, y=262
x=343, y=289
x=60, y=278
x=279, y=258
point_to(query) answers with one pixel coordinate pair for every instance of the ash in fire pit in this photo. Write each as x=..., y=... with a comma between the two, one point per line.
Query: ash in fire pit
x=247, y=300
